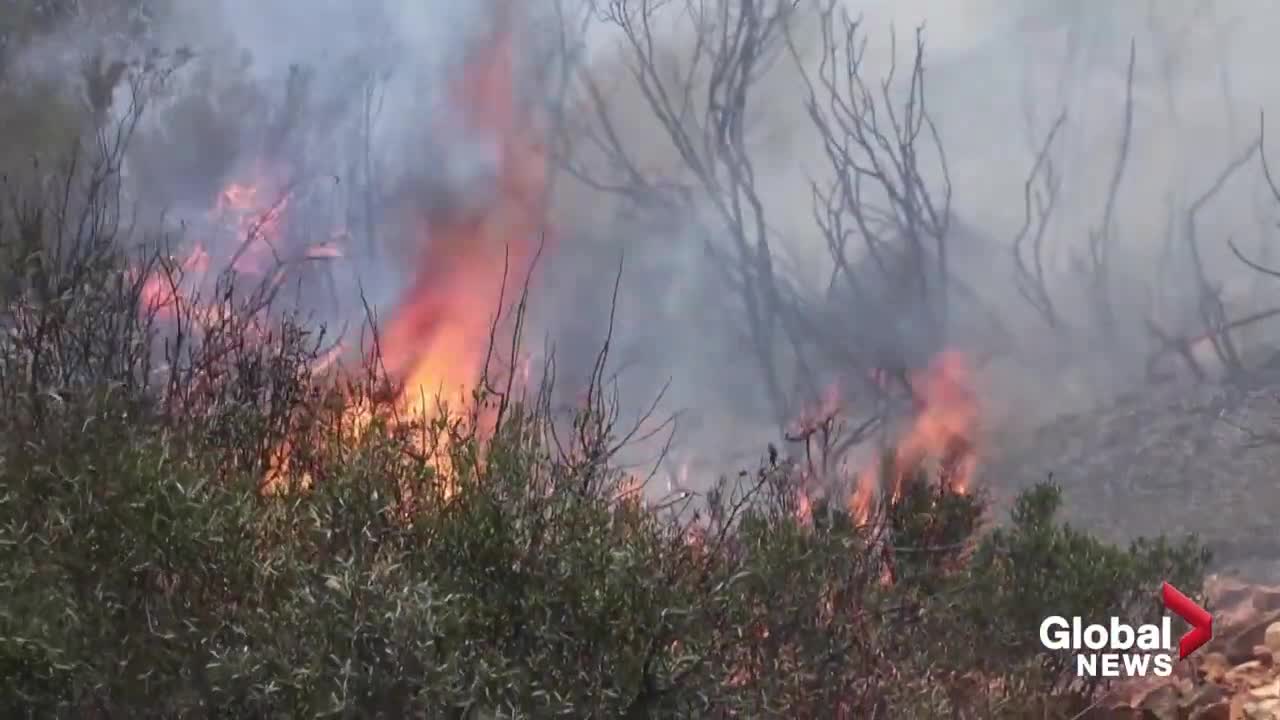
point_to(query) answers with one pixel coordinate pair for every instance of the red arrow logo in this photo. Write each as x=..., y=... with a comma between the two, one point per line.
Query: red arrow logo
x=1200, y=619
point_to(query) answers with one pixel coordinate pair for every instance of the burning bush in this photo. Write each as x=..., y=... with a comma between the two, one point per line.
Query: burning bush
x=514, y=573
x=420, y=555
x=142, y=574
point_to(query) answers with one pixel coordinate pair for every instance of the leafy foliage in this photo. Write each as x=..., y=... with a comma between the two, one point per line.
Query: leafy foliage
x=1050, y=566
x=491, y=563
x=142, y=575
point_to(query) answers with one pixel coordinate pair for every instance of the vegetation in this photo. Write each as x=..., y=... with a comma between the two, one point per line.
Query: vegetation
x=490, y=562
x=145, y=572
x=512, y=572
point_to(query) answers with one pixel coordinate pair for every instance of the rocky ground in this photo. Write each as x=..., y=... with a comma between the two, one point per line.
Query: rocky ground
x=1170, y=460
x=1177, y=459
x=1235, y=677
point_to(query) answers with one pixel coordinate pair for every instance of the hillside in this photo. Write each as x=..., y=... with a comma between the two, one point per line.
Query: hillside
x=1171, y=459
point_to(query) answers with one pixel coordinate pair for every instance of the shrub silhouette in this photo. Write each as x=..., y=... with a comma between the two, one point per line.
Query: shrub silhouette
x=145, y=572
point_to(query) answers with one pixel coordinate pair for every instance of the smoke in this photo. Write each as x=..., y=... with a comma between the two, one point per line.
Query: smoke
x=998, y=76
x=346, y=106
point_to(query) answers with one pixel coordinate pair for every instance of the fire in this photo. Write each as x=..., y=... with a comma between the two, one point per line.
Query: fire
x=437, y=339
x=256, y=219
x=947, y=421
x=243, y=231
x=943, y=431
x=828, y=407
x=804, y=510
x=329, y=250
x=469, y=261
x=164, y=295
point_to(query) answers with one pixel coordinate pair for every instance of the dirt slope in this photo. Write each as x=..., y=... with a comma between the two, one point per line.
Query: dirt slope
x=1172, y=460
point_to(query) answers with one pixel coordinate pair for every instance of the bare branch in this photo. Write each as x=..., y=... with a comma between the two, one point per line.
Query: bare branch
x=1212, y=310
x=1030, y=275
x=1101, y=238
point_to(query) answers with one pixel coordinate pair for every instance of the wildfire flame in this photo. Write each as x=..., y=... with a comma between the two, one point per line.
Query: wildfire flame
x=942, y=436
x=256, y=219
x=162, y=294
x=944, y=430
x=244, y=229
x=437, y=339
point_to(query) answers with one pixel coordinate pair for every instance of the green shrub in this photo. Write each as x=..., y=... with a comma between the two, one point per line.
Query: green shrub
x=146, y=573
x=464, y=567
x=1040, y=567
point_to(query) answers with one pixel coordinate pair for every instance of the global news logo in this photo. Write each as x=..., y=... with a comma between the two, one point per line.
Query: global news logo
x=1118, y=650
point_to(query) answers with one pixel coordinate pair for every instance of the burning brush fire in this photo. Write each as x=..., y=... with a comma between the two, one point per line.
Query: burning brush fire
x=438, y=337
x=434, y=344
x=941, y=436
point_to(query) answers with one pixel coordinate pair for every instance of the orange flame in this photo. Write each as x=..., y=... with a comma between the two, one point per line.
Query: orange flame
x=944, y=430
x=246, y=225
x=437, y=339
x=947, y=422
x=164, y=293
x=257, y=221
x=804, y=510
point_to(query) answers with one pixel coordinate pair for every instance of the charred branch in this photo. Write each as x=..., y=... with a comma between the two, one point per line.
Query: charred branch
x=1100, y=240
x=1040, y=196
x=702, y=108
x=1213, y=312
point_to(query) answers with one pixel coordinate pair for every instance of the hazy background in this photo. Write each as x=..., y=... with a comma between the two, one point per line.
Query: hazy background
x=368, y=121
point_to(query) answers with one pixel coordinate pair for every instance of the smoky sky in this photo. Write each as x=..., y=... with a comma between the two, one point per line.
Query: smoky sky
x=998, y=74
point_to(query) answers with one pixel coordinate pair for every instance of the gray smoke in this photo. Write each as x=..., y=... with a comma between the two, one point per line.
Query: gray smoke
x=346, y=105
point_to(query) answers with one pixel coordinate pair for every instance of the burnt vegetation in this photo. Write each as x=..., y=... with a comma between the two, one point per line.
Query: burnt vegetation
x=161, y=557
